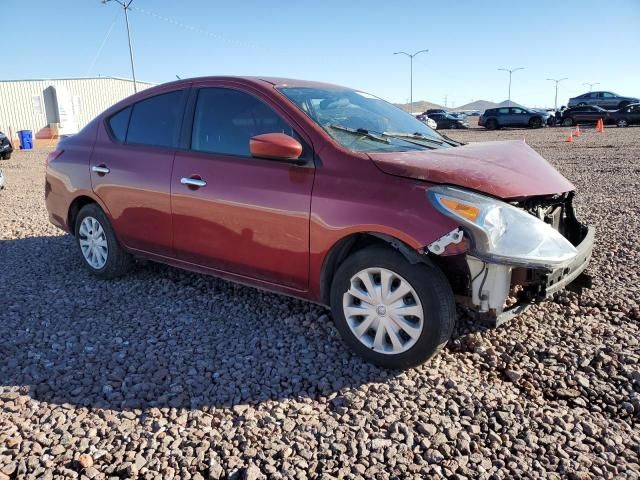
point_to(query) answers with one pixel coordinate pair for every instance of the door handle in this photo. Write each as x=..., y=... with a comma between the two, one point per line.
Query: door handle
x=193, y=182
x=101, y=169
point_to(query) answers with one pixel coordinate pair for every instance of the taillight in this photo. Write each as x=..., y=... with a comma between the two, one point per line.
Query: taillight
x=53, y=155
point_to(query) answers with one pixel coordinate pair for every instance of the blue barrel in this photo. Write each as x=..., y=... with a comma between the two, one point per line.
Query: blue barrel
x=26, y=139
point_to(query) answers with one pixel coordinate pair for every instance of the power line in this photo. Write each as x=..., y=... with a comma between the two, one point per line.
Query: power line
x=104, y=42
x=198, y=30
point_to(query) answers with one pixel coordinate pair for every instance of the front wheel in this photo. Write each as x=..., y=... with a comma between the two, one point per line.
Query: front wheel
x=491, y=124
x=5, y=156
x=622, y=123
x=100, y=250
x=567, y=122
x=392, y=313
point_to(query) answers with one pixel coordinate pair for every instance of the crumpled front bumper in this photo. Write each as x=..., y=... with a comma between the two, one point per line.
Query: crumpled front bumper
x=492, y=284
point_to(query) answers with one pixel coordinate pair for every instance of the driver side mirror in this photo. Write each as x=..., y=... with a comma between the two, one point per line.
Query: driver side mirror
x=276, y=146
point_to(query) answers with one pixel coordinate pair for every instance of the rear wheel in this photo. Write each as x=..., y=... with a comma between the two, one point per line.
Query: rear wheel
x=622, y=123
x=100, y=250
x=535, y=122
x=491, y=124
x=392, y=313
x=6, y=156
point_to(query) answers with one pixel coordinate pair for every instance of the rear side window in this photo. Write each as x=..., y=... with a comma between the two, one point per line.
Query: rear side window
x=226, y=119
x=118, y=124
x=156, y=120
x=504, y=111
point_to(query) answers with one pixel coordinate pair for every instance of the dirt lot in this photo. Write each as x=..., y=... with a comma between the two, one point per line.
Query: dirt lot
x=168, y=374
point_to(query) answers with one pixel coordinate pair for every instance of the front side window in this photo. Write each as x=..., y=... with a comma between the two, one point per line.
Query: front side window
x=225, y=120
x=363, y=122
x=155, y=121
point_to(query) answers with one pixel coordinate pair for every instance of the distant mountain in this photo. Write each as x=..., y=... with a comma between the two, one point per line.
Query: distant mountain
x=418, y=107
x=480, y=105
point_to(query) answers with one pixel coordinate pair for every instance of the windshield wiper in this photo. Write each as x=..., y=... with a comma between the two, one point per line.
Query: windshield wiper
x=358, y=131
x=414, y=136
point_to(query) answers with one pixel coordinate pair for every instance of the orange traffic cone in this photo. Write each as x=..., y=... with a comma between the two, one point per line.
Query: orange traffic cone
x=569, y=138
x=600, y=126
x=577, y=131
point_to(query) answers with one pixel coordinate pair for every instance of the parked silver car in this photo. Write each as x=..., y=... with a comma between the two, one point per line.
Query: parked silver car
x=606, y=100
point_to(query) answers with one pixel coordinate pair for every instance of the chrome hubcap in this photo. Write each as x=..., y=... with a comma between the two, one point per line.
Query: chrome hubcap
x=93, y=242
x=383, y=311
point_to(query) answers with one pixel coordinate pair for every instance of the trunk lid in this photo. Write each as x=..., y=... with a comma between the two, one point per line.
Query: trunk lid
x=505, y=169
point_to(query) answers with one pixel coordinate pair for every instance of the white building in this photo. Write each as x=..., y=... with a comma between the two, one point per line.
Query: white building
x=58, y=106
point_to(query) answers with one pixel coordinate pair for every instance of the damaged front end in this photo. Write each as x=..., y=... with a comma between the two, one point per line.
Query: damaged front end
x=515, y=254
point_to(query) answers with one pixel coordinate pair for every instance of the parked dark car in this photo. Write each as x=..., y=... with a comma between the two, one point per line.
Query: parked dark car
x=6, y=149
x=434, y=110
x=494, y=118
x=606, y=100
x=446, y=121
x=323, y=193
x=584, y=114
x=629, y=115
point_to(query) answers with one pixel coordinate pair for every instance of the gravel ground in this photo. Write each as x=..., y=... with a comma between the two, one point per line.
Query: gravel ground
x=168, y=374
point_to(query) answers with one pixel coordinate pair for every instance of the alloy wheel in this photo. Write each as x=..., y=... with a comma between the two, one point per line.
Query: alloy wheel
x=622, y=123
x=383, y=311
x=93, y=243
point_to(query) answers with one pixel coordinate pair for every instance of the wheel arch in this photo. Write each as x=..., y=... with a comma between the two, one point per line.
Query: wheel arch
x=76, y=205
x=353, y=242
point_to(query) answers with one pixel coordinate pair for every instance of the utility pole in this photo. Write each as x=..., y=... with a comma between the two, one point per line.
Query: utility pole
x=591, y=85
x=126, y=4
x=557, y=80
x=510, y=70
x=445, y=101
x=411, y=55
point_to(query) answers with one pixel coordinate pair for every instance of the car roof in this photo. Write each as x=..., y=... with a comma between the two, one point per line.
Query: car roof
x=259, y=80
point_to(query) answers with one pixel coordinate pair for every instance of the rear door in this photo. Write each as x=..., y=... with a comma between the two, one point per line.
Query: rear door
x=504, y=117
x=251, y=216
x=131, y=170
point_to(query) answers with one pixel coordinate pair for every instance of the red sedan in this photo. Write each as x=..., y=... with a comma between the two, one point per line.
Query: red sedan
x=324, y=193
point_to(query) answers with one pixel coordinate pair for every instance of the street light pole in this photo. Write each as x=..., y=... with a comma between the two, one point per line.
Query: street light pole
x=126, y=7
x=557, y=80
x=411, y=73
x=591, y=85
x=510, y=70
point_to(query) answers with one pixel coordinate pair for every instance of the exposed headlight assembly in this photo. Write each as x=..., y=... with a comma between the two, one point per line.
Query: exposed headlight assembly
x=502, y=233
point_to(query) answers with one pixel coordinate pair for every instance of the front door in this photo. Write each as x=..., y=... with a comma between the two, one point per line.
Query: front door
x=247, y=216
x=131, y=170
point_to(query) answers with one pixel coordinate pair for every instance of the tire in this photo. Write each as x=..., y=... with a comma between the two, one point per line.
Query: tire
x=567, y=122
x=491, y=124
x=6, y=156
x=430, y=294
x=116, y=261
x=622, y=123
x=535, y=122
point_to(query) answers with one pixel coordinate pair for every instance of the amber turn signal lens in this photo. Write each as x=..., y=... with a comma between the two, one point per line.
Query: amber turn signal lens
x=465, y=210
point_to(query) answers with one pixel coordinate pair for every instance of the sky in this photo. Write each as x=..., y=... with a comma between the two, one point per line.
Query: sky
x=350, y=43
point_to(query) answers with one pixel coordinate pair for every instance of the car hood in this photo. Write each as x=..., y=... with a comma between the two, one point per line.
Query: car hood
x=504, y=169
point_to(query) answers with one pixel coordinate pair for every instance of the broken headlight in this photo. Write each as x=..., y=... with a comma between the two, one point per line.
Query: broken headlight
x=502, y=233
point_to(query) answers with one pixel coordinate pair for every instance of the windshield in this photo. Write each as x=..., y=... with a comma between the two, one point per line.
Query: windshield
x=359, y=121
